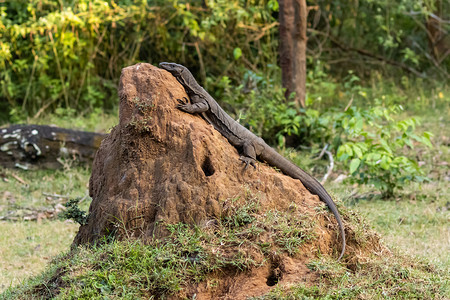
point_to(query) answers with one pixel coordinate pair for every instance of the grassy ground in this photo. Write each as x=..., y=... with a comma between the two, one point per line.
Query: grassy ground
x=97, y=121
x=415, y=223
x=41, y=189
x=31, y=232
x=130, y=270
x=417, y=228
x=27, y=247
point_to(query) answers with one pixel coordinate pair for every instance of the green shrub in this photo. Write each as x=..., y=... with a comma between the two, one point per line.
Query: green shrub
x=73, y=212
x=69, y=54
x=377, y=148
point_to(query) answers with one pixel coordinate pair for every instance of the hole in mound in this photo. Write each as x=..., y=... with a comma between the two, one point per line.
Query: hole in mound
x=207, y=167
x=275, y=273
x=272, y=280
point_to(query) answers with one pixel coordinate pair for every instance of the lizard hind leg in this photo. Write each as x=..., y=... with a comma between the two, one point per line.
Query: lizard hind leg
x=248, y=155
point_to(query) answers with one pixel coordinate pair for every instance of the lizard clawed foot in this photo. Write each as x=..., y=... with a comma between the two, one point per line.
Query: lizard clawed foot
x=184, y=105
x=247, y=160
x=183, y=101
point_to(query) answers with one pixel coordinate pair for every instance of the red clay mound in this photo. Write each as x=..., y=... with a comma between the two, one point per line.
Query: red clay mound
x=163, y=166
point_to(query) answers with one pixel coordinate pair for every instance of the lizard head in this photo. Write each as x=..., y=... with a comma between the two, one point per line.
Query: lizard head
x=173, y=68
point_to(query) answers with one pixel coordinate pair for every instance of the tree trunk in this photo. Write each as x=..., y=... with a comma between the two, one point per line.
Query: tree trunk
x=292, y=17
x=438, y=38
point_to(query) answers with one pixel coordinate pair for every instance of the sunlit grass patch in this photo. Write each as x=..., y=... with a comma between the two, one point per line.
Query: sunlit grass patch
x=96, y=121
x=414, y=222
x=20, y=189
x=27, y=247
x=189, y=255
x=242, y=239
x=419, y=228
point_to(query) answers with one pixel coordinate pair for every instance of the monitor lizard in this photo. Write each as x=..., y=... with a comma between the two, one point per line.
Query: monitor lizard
x=250, y=145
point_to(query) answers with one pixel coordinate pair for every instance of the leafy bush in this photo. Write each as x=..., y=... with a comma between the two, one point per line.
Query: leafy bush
x=373, y=146
x=69, y=54
x=73, y=212
x=405, y=35
x=62, y=54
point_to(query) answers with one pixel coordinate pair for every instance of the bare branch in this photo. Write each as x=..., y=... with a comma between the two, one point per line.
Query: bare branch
x=330, y=167
x=322, y=152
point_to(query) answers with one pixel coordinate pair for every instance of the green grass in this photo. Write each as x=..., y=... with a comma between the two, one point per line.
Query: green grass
x=96, y=121
x=131, y=269
x=389, y=277
x=27, y=247
x=40, y=189
x=416, y=227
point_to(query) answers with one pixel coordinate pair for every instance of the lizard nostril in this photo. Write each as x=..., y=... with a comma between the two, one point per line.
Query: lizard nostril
x=207, y=167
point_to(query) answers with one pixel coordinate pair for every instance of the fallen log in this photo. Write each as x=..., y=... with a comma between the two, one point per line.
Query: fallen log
x=40, y=146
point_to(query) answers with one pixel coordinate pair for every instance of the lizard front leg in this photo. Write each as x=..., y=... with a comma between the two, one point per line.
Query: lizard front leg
x=248, y=154
x=197, y=107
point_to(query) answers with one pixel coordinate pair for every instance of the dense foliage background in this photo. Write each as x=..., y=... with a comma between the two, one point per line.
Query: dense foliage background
x=69, y=54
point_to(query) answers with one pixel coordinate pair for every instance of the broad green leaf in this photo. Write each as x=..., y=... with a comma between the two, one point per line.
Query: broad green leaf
x=273, y=5
x=385, y=162
x=427, y=134
x=359, y=124
x=409, y=142
x=385, y=145
x=427, y=142
x=427, y=139
x=349, y=150
x=354, y=164
x=357, y=151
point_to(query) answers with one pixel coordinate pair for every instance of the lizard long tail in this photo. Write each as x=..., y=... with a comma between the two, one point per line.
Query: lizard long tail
x=275, y=159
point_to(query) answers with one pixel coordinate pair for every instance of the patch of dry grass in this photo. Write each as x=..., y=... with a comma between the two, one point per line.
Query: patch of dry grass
x=27, y=247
